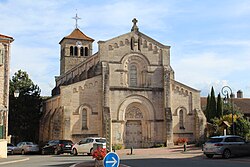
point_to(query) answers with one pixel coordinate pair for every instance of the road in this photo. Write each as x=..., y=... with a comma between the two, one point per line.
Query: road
x=185, y=162
x=157, y=157
x=45, y=160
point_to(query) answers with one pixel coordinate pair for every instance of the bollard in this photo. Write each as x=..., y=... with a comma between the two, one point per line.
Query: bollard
x=131, y=150
x=185, y=147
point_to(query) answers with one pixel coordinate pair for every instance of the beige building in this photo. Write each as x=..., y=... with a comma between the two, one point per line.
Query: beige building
x=5, y=42
x=128, y=82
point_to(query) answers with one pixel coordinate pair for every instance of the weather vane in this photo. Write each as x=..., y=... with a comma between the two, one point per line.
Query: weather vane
x=76, y=18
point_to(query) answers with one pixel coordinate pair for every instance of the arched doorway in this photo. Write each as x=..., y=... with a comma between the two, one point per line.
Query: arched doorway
x=133, y=127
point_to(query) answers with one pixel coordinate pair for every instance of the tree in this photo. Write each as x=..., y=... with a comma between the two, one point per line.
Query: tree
x=207, y=113
x=219, y=107
x=212, y=104
x=211, y=110
x=24, y=111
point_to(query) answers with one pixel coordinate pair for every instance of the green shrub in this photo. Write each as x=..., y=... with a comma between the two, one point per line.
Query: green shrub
x=117, y=146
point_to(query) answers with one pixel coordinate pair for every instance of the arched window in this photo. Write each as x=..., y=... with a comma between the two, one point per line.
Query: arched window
x=132, y=43
x=181, y=119
x=1, y=56
x=133, y=75
x=84, y=119
x=76, y=51
x=81, y=51
x=86, y=51
x=150, y=46
x=139, y=44
x=71, y=51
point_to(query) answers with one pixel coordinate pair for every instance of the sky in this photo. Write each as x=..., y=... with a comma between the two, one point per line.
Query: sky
x=210, y=40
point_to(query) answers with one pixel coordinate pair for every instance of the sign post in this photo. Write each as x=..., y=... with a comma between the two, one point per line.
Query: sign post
x=111, y=160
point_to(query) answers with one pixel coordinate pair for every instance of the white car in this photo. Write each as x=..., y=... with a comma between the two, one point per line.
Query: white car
x=86, y=145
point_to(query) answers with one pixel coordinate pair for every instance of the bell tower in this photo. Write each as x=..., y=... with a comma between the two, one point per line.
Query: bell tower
x=75, y=48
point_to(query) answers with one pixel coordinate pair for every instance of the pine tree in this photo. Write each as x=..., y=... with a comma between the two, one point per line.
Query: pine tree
x=212, y=104
x=219, y=106
x=24, y=111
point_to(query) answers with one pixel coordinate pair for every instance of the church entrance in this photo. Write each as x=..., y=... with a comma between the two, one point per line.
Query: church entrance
x=133, y=128
x=133, y=134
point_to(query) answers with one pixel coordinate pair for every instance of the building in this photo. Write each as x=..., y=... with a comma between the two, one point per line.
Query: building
x=5, y=42
x=126, y=90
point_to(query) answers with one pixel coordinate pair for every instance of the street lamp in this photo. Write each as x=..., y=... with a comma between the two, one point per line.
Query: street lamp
x=225, y=91
x=16, y=93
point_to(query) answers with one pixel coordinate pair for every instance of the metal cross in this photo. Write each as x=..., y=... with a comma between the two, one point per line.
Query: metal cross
x=134, y=21
x=76, y=18
x=134, y=28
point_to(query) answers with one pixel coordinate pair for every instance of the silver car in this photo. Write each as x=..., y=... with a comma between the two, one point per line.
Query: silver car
x=226, y=146
x=26, y=147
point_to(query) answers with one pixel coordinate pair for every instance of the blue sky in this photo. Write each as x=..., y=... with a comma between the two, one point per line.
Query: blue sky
x=210, y=40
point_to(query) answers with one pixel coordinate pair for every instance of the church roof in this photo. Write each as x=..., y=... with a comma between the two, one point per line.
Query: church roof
x=77, y=34
x=5, y=37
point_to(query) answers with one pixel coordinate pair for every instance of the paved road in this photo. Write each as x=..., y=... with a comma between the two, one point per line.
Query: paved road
x=141, y=158
x=44, y=160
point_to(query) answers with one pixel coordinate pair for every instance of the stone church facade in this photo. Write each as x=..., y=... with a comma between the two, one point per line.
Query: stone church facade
x=129, y=84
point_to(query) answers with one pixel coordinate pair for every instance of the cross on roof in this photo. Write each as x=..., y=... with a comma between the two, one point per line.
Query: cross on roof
x=76, y=18
x=134, y=28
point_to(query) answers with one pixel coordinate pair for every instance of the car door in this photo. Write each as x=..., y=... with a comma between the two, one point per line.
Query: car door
x=18, y=148
x=231, y=144
x=87, y=145
x=81, y=144
x=241, y=146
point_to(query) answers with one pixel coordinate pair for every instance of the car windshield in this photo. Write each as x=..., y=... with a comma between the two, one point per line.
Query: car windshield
x=215, y=140
x=101, y=140
x=67, y=142
x=29, y=143
x=10, y=144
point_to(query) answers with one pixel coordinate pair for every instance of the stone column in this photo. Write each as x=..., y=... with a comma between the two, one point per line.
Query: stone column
x=167, y=107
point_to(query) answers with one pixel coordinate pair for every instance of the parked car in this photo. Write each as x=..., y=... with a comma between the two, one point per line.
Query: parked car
x=10, y=148
x=57, y=147
x=226, y=146
x=86, y=145
x=26, y=147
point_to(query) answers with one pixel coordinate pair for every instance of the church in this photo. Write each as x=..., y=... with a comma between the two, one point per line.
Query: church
x=126, y=92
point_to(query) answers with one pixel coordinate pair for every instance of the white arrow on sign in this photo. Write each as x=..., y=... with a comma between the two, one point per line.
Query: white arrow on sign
x=112, y=162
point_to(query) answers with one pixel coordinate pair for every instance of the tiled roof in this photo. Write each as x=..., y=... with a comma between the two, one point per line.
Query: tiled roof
x=6, y=37
x=242, y=103
x=77, y=34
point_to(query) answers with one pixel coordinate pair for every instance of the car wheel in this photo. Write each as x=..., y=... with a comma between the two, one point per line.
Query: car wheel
x=226, y=154
x=74, y=152
x=210, y=155
x=12, y=152
x=22, y=152
x=90, y=151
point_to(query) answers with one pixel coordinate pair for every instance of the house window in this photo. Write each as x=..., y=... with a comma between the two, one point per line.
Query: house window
x=133, y=75
x=71, y=51
x=81, y=51
x=181, y=119
x=76, y=51
x=84, y=119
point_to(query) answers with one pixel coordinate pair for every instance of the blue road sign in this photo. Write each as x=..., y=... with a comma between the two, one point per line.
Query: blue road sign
x=111, y=160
